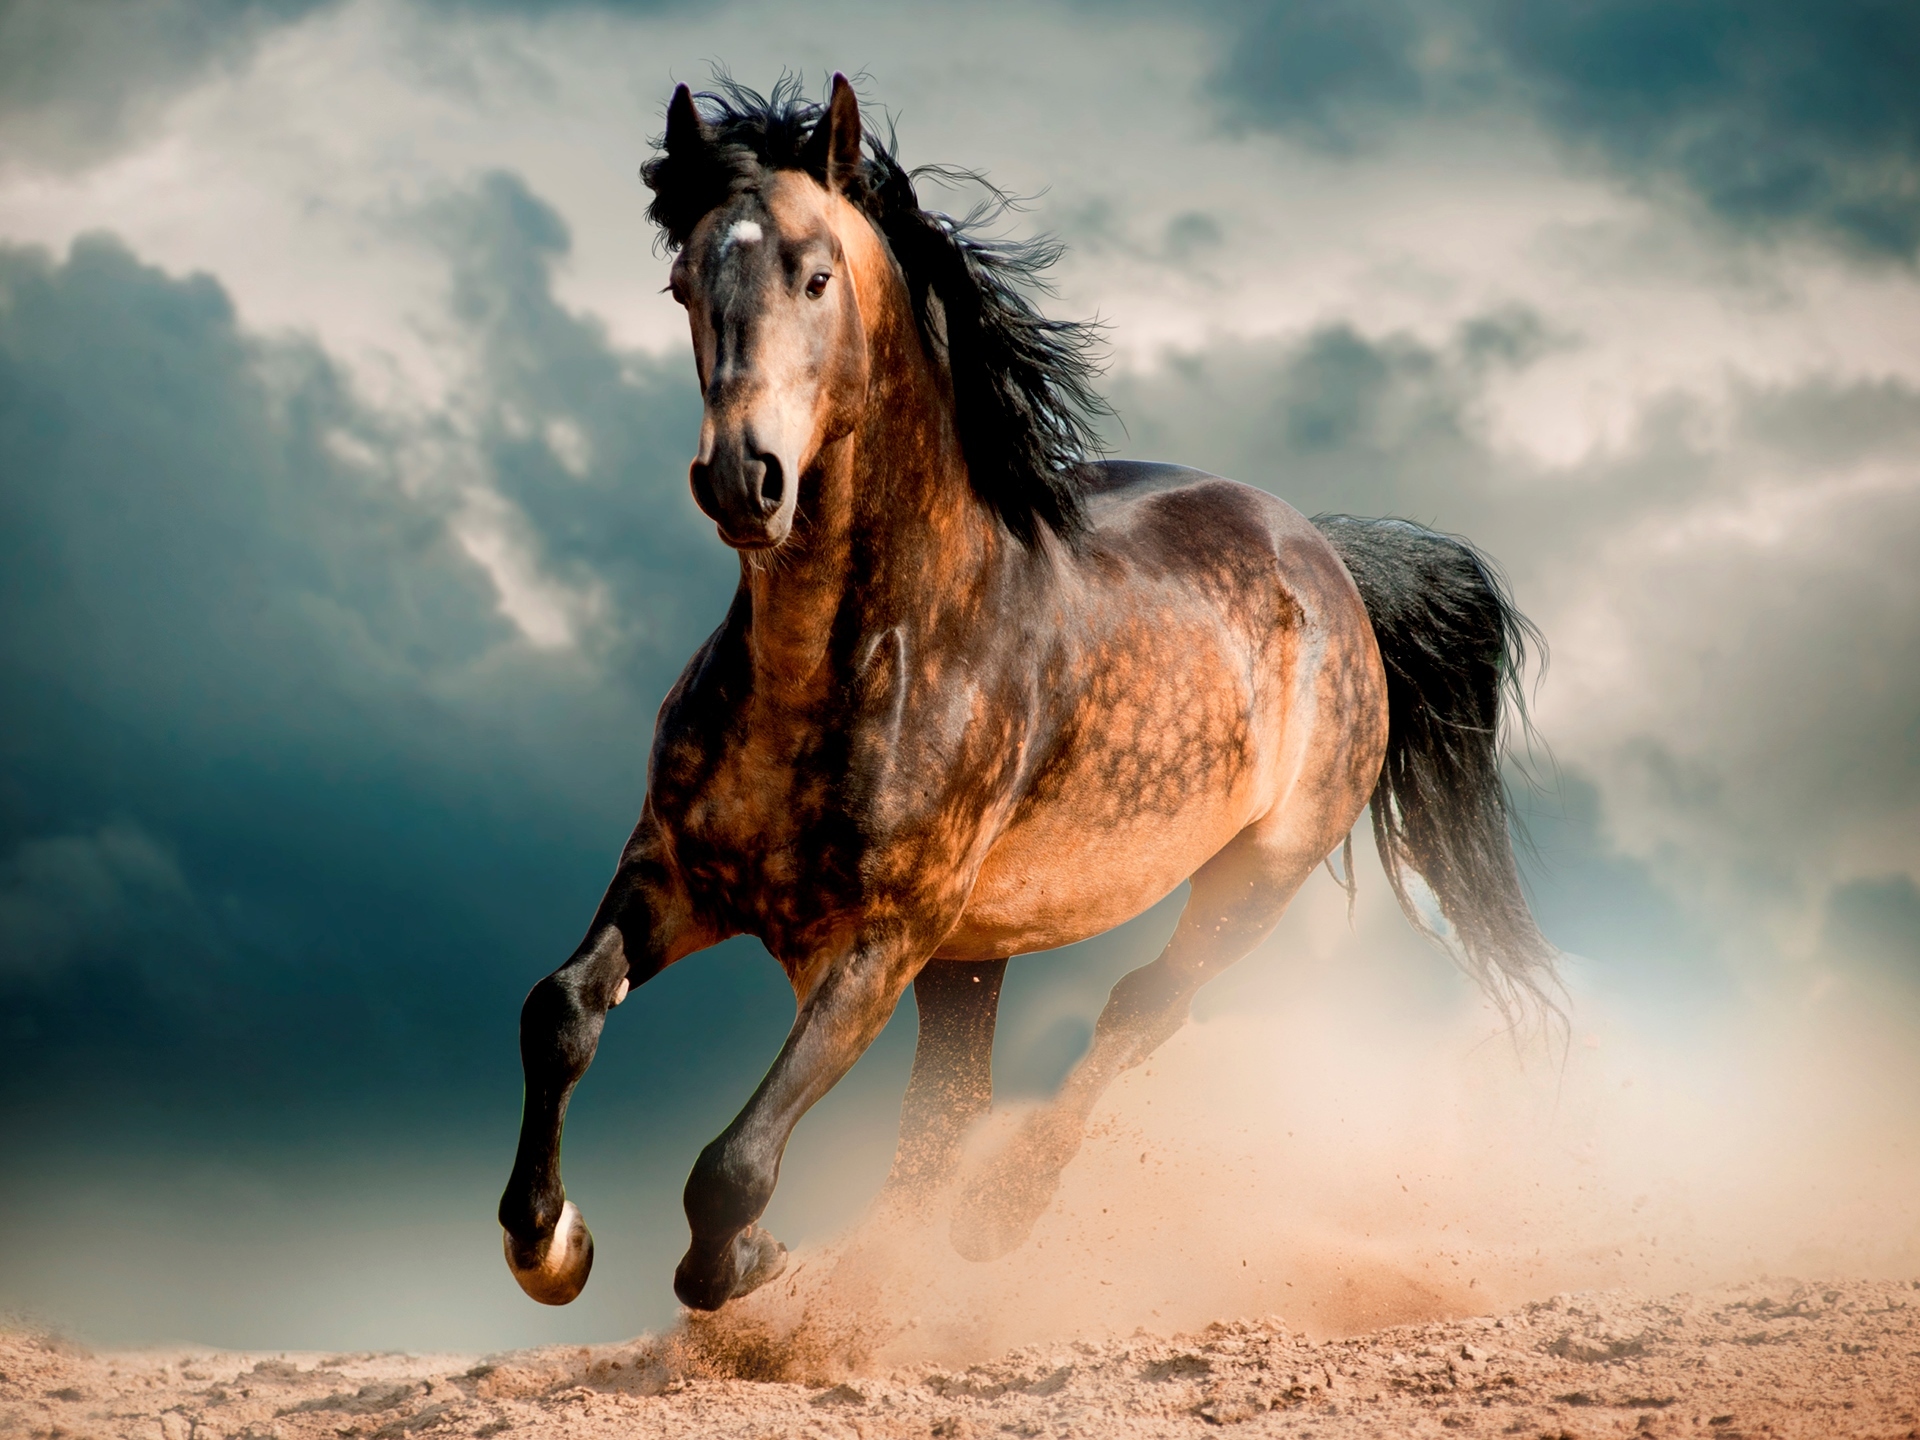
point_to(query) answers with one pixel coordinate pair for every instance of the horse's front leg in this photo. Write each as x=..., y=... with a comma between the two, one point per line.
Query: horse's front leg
x=732, y=1181
x=642, y=926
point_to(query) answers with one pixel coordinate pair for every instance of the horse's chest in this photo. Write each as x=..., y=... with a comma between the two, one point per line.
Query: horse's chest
x=741, y=820
x=787, y=822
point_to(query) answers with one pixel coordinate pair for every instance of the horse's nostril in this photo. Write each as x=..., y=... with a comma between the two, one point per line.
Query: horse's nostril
x=773, y=483
x=701, y=477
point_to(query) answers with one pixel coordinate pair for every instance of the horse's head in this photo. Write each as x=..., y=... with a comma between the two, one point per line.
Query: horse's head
x=767, y=277
x=808, y=265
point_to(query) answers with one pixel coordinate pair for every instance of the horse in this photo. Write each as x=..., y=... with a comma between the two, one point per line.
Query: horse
x=981, y=693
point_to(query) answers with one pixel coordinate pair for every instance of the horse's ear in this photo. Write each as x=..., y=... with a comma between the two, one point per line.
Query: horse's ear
x=686, y=131
x=833, y=151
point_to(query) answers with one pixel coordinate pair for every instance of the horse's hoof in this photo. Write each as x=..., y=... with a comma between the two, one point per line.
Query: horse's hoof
x=556, y=1271
x=748, y=1261
x=987, y=1225
x=763, y=1258
x=1004, y=1199
x=999, y=1207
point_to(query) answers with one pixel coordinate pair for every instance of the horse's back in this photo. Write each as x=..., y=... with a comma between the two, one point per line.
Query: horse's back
x=1202, y=681
x=1256, y=555
x=1185, y=516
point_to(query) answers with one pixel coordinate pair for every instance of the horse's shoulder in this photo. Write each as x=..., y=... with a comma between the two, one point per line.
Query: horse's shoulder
x=703, y=706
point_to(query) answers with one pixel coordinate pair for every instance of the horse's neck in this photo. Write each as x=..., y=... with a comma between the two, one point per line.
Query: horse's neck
x=896, y=529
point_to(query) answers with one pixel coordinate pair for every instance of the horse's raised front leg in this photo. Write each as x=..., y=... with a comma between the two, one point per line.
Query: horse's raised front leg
x=952, y=1081
x=1237, y=899
x=642, y=927
x=732, y=1181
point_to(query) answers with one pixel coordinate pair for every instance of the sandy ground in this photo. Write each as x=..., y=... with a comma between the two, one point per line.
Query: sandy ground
x=1774, y=1358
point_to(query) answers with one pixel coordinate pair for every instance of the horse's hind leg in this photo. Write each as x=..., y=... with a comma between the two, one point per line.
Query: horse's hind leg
x=952, y=1081
x=1237, y=899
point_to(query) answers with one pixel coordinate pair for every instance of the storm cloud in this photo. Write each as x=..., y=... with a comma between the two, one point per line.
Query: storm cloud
x=257, y=670
x=74, y=84
x=1775, y=116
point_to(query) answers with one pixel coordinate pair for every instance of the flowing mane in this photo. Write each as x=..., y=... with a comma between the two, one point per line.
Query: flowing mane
x=1024, y=397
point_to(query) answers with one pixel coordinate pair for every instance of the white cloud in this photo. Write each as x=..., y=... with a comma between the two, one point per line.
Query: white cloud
x=549, y=614
x=1738, y=667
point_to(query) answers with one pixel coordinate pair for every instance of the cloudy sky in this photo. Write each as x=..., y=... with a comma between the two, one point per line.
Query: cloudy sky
x=346, y=551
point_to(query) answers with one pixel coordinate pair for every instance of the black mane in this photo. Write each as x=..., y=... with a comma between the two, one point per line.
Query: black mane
x=1025, y=406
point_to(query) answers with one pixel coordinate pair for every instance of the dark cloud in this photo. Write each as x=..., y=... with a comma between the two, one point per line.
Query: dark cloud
x=1774, y=634
x=286, y=799
x=1773, y=114
x=79, y=82
x=76, y=81
x=1190, y=233
x=1336, y=419
x=566, y=425
x=1325, y=71
x=191, y=653
x=538, y=8
x=1192, y=241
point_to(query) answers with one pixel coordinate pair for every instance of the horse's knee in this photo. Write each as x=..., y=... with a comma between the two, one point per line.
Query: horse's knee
x=559, y=1031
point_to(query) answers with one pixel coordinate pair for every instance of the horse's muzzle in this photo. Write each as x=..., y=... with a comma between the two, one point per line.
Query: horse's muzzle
x=747, y=493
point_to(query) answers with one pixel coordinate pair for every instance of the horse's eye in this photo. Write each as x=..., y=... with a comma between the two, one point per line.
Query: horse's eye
x=817, y=286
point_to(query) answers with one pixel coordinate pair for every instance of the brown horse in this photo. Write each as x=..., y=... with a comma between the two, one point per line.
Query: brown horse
x=978, y=696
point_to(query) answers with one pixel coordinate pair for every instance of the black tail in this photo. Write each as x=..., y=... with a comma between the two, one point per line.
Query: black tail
x=1454, y=647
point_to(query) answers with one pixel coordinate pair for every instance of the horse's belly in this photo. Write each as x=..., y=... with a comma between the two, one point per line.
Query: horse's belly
x=1053, y=881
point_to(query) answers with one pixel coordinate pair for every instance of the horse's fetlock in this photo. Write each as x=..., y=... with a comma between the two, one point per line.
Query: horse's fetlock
x=727, y=1191
x=528, y=1215
x=1141, y=997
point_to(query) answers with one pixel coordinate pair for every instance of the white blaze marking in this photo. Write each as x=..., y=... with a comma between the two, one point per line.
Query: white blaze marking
x=744, y=232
